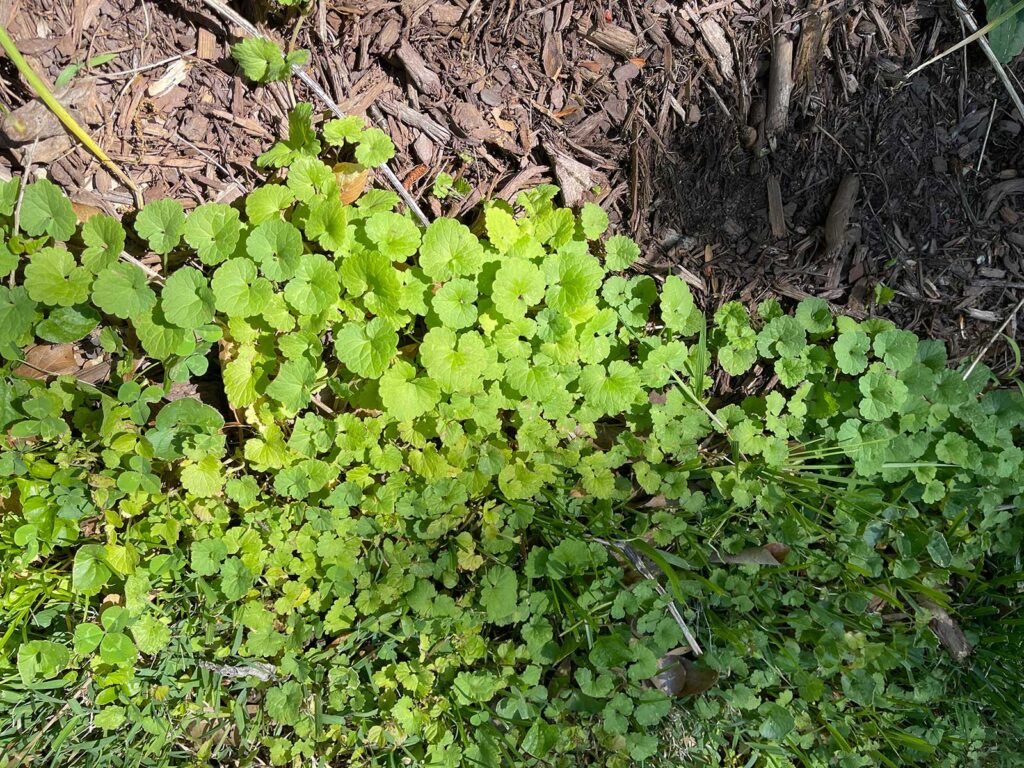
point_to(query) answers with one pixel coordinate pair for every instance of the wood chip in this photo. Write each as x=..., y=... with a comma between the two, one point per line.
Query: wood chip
x=552, y=57
x=424, y=79
x=614, y=39
x=948, y=632
x=813, y=39
x=839, y=214
x=717, y=43
x=776, y=212
x=780, y=87
x=207, y=47
x=416, y=119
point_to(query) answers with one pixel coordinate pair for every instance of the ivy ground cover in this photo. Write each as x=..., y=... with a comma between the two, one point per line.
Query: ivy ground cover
x=454, y=481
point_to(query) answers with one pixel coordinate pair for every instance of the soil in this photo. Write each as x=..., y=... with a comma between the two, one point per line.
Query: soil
x=660, y=111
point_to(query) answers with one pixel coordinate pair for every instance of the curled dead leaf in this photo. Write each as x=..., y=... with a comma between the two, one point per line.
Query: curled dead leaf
x=948, y=632
x=43, y=361
x=351, y=180
x=681, y=676
x=769, y=554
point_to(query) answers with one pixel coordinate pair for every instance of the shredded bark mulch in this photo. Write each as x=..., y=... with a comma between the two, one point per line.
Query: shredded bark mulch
x=756, y=148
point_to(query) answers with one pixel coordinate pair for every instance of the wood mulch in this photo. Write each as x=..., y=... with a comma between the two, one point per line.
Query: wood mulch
x=755, y=147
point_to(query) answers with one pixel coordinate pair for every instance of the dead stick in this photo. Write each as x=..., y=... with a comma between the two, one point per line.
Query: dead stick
x=968, y=18
x=780, y=86
x=839, y=213
x=239, y=20
x=987, y=347
x=776, y=211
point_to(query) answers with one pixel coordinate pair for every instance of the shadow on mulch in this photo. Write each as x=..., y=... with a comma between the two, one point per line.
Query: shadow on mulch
x=942, y=234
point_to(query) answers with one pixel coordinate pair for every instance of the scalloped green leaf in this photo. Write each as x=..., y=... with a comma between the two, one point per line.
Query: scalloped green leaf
x=52, y=276
x=46, y=210
x=161, y=223
x=213, y=230
x=187, y=300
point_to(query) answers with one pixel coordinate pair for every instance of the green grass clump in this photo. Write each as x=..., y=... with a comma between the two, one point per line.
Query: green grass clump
x=395, y=532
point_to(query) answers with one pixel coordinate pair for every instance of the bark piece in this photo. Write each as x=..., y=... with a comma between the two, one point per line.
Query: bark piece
x=552, y=56
x=423, y=78
x=780, y=87
x=416, y=119
x=776, y=209
x=838, y=220
x=614, y=39
x=206, y=45
x=813, y=38
x=718, y=45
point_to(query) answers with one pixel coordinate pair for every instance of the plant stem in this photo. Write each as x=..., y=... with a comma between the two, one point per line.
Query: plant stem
x=43, y=91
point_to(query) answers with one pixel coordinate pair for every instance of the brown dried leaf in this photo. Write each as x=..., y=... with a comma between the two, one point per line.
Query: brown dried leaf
x=680, y=676
x=575, y=179
x=948, y=632
x=351, y=181
x=769, y=554
x=45, y=360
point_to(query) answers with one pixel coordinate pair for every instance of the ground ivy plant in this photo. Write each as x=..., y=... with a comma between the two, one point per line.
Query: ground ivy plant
x=360, y=490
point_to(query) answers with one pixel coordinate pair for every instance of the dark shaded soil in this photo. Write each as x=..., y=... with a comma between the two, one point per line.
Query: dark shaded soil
x=654, y=109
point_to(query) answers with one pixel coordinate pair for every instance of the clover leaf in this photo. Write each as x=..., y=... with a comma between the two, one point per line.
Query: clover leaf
x=851, y=351
x=455, y=303
x=498, y=595
x=301, y=142
x=267, y=202
x=345, y=130
x=883, y=393
x=327, y=223
x=782, y=337
x=17, y=314
x=66, y=324
x=315, y=285
x=235, y=579
x=294, y=385
x=161, y=224
x=593, y=221
x=518, y=285
x=456, y=362
x=104, y=240
x=374, y=148
x=395, y=236
x=310, y=179
x=238, y=291
x=573, y=278
x=613, y=389
x=620, y=252
x=898, y=349
x=372, y=277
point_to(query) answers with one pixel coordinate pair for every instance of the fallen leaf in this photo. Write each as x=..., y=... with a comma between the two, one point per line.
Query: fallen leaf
x=769, y=554
x=681, y=676
x=45, y=360
x=351, y=180
x=948, y=632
